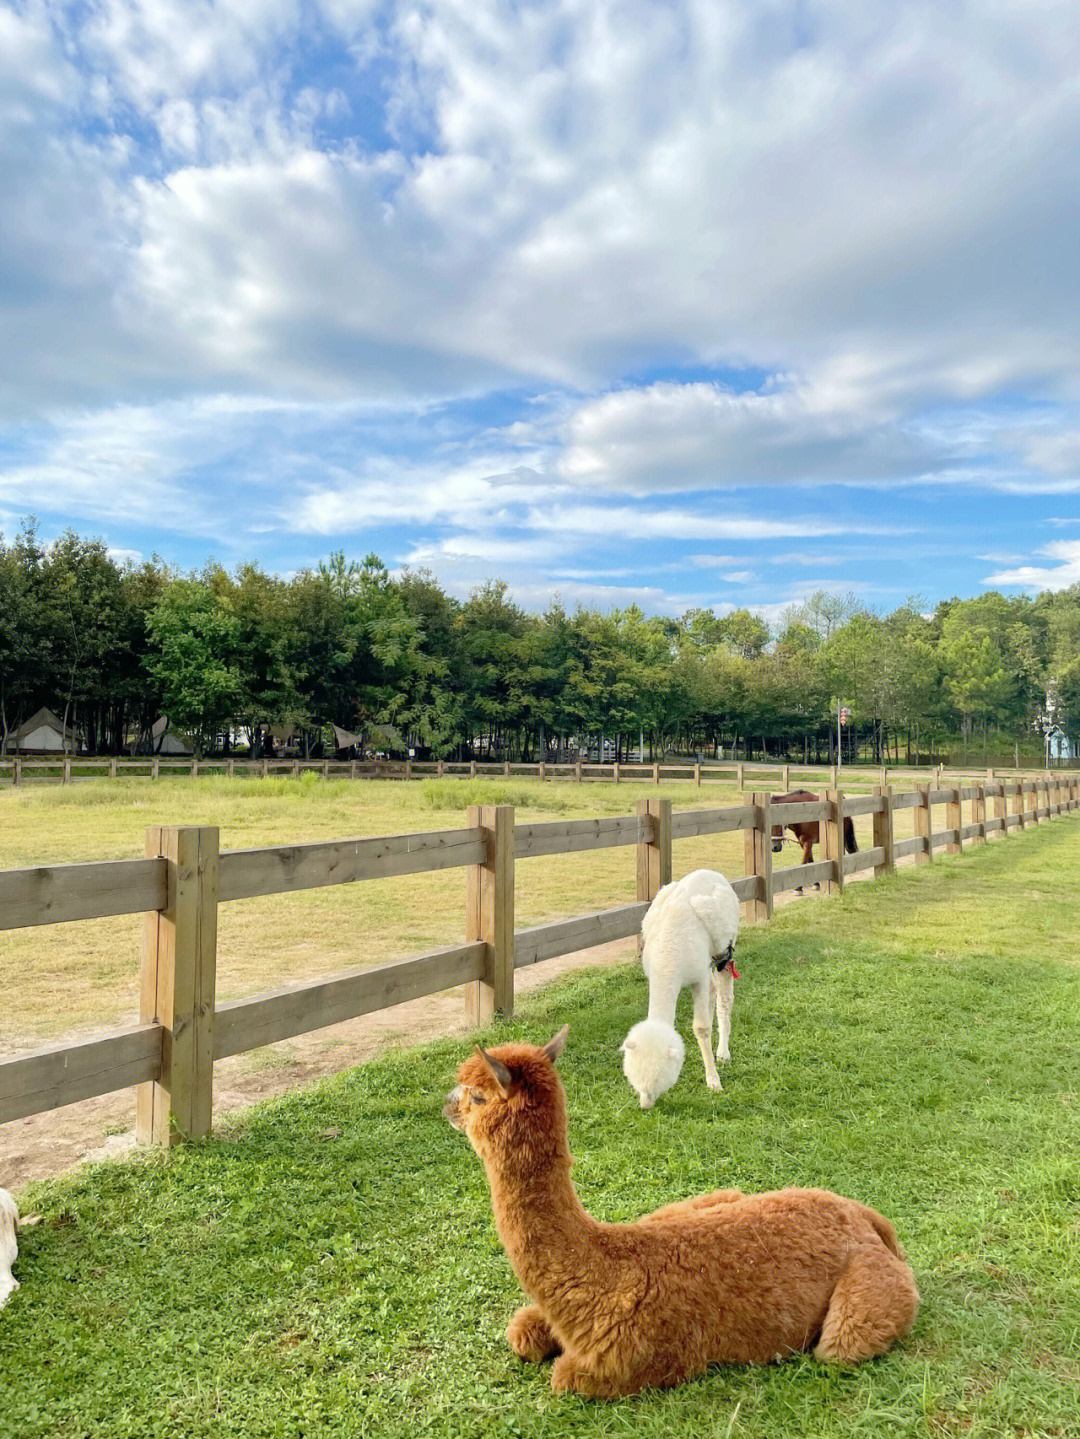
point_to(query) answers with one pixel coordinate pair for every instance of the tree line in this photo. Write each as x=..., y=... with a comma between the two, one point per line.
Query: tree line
x=110, y=646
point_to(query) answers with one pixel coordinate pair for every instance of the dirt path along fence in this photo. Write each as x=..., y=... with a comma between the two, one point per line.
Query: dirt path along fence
x=184, y=878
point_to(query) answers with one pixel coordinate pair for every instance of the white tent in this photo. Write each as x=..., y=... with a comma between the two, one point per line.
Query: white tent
x=43, y=733
x=168, y=741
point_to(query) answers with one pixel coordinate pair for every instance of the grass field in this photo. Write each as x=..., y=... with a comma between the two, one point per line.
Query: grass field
x=328, y=1264
x=84, y=976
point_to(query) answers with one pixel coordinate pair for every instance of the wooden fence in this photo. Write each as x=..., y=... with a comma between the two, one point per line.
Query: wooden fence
x=179, y=885
x=67, y=769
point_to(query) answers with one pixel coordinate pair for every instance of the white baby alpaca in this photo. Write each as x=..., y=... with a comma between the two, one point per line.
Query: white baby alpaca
x=688, y=926
x=9, y=1249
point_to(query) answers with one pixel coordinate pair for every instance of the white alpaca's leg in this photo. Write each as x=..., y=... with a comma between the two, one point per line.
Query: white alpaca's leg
x=703, y=1021
x=725, y=998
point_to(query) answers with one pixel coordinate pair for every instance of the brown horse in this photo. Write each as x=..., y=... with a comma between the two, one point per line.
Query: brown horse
x=807, y=831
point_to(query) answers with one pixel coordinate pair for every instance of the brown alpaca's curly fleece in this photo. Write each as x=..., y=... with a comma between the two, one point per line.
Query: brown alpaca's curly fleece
x=725, y=1278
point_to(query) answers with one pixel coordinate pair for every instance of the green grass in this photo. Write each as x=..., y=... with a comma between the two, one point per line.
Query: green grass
x=328, y=1265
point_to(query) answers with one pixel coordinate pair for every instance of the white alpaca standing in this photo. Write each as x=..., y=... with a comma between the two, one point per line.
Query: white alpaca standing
x=691, y=926
x=9, y=1248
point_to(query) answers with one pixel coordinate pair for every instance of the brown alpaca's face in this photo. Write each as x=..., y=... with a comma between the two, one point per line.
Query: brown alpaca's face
x=486, y=1090
x=473, y=1105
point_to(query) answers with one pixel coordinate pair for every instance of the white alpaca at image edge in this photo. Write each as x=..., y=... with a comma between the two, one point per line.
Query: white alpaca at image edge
x=690, y=928
x=9, y=1248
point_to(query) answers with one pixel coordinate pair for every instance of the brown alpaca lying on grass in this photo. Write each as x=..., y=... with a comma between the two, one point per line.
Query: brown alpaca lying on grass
x=725, y=1278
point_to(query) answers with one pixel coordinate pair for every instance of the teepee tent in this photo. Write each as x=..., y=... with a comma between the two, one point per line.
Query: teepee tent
x=168, y=741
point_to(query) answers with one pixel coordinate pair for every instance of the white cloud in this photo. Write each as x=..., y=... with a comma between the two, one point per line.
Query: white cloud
x=237, y=227
x=1057, y=454
x=628, y=522
x=1045, y=577
x=651, y=598
x=881, y=203
x=796, y=557
x=700, y=435
x=124, y=557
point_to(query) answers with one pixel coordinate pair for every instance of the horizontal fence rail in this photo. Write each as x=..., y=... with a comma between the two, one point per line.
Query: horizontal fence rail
x=743, y=774
x=170, y=1054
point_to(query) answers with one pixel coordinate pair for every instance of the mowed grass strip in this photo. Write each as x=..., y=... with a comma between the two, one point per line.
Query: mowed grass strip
x=328, y=1265
x=78, y=977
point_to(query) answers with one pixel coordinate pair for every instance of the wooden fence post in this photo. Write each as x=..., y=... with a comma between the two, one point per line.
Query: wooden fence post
x=739, y=775
x=758, y=858
x=656, y=774
x=832, y=776
x=16, y=771
x=833, y=833
x=954, y=812
x=1000, y=806
x=577, y=770
x=265, y=768
x=615, y=772
x=472, y=769
x=230, y=768
x=194, y=769
x=489, y=911
x=67, y=770
x=506, y=769
x=654, y=855
x=924, y=826
x=440, y=768
x=978, y=813
x=883, y=832
x=541, y=771
x=326, y=769
x=177, y=986
x=1019, y=803
x=697, y=775
x=112, y=769
x=787, y=778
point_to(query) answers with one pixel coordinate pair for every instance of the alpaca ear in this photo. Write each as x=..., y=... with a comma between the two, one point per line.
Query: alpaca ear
x=557, y=1044
x=673, y=1051
x=498, y=1071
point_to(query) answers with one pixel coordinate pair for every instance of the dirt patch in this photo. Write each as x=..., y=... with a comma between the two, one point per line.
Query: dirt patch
x=48, y=1144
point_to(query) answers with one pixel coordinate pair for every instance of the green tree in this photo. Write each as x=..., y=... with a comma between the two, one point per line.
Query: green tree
x=194, y=656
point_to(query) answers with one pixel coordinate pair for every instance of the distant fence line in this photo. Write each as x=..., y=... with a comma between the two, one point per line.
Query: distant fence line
x=184, y=878
x=68, y=769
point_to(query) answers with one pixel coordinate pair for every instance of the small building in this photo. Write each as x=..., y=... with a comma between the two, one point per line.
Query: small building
x=164, y=740
x=43, y=733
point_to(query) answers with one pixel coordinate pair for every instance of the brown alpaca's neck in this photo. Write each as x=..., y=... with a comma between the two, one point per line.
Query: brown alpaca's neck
x=542, y=1223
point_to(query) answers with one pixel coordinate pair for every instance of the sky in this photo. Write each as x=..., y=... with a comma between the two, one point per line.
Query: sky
x=680, y=303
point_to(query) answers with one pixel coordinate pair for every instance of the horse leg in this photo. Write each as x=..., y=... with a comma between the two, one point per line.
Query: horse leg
x=807, y=842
